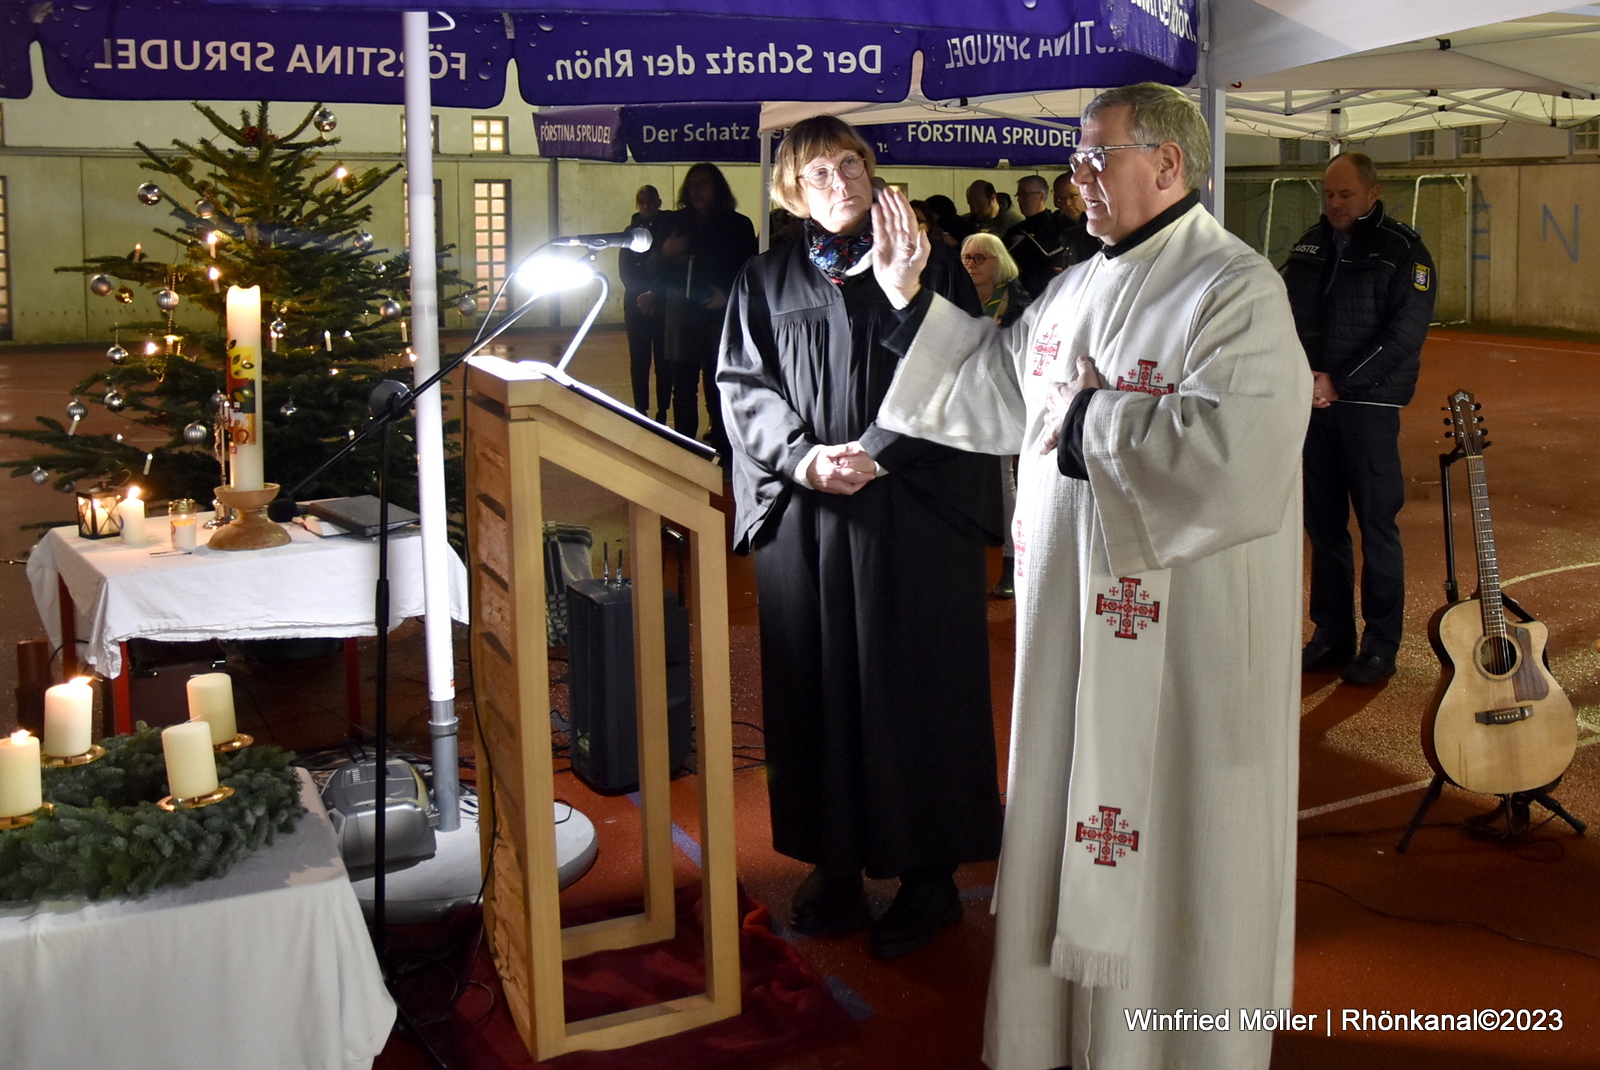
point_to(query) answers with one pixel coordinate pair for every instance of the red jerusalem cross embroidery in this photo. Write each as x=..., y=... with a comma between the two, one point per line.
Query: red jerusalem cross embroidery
x=1129, y=612
x=1148, y=381
x=1109, y=836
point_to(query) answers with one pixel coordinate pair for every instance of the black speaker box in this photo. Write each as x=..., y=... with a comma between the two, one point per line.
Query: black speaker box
x=605, y=739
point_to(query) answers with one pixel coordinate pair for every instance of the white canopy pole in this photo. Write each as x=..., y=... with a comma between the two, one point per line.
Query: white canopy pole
x=1214, y=106
x=442, y=723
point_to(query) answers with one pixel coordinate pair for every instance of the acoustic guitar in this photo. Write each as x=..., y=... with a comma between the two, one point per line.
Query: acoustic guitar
x=1499, y=722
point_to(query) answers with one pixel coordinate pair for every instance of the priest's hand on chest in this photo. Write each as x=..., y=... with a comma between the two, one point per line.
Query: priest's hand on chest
x=1058, y=400
x=841, y=469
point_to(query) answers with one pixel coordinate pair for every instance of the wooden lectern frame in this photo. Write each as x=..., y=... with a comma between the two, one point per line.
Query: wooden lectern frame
x=517, y=418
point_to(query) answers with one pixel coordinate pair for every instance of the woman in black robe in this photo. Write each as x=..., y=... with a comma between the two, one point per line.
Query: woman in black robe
x=870, y=559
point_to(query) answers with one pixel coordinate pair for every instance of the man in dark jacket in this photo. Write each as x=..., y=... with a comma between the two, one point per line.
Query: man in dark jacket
x=1362, y=289
x=640, y=312
x=1037, y=243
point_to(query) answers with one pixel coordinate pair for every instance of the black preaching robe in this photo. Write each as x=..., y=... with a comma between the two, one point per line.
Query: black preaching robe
x=874, y=633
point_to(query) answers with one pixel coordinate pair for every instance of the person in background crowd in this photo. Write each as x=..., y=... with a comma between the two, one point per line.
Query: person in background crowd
x=955, y=226
x=1037, y=243
x=985, y=212
x=640, y=312
x=994, y=274
x=1080, y=245
x=707, y=243
x=869, y=554
x=1157, y=399
x=1362, y=288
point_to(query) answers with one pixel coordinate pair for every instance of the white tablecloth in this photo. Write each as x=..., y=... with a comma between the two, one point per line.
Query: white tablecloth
x=268, y=968
x=312, y=588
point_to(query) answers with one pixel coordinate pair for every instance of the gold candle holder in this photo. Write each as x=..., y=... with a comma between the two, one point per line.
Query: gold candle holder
x=170, y=803
x=24, y=820
x=68, y=761
x=249, y=529
x=238, y=742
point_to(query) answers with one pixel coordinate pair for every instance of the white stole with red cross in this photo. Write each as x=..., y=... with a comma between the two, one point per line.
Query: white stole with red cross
x=1107, y=852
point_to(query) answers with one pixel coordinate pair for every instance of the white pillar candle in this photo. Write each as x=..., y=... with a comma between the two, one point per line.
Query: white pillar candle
x=68, y=718
x=132, y=518
x=20, y=791
x=191, y=763
x=244, y=386
x=211, y=701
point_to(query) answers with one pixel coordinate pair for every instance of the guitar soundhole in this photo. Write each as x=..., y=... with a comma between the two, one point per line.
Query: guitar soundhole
x=1497, y=655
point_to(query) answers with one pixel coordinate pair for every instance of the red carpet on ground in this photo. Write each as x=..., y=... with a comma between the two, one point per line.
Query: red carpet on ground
x=787, y=1007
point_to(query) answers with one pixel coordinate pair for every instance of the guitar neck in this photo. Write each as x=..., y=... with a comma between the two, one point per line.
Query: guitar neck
x=1494, y=617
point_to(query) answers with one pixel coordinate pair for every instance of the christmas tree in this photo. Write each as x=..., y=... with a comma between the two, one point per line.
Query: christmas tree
x=250, y=207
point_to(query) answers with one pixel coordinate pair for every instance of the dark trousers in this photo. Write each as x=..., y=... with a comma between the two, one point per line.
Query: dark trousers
x=1352, y=460
x=645, y=351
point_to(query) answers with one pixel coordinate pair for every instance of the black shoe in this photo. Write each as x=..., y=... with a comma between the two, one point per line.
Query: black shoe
x=1007, y=587
x=1319, y=655
x=661, y=417
x=1368, y=669
x=918, y=912
x=824, y=905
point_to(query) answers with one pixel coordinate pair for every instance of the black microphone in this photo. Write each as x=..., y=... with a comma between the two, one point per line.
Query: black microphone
x=283, y=510
x=636, y=240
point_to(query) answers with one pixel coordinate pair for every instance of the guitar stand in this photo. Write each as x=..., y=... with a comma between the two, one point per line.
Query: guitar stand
x=1515, y=808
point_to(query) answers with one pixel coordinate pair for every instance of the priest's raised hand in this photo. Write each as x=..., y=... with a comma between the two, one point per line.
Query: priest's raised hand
x=899, y=247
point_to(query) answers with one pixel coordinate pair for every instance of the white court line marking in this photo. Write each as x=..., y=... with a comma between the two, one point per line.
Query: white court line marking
x=1509, y=345
x=1387, y=793
x=1318, y=811
x=1548, y=572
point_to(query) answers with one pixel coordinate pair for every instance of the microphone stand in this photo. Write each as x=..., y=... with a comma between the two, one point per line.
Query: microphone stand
x=389, y=400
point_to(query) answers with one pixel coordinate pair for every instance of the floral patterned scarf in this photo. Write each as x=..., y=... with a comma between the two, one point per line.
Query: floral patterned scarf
x=837, y=254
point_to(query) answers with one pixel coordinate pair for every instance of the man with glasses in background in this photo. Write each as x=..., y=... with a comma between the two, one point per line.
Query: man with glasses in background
x=1038, y=243
x=1157, y=398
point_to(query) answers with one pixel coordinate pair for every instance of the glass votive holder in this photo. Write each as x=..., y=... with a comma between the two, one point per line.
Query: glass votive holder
x=182, y=515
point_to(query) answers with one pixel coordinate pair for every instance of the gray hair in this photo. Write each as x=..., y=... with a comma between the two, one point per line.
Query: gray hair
x=1035, y=182
x=1161, y=114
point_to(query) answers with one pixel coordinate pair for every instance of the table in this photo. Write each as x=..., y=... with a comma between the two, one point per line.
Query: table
x=315, y=587
x=265, y=968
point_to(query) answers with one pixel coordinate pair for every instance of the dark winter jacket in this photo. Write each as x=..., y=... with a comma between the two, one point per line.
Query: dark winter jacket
x=1362, y=316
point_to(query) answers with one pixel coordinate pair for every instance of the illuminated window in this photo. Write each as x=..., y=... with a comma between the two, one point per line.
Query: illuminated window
x=1422, y=144
x=1586, y=138
x=5, y=268
x=435, y=124
x=491, y=235
x=489, y=134
x=1471, y=140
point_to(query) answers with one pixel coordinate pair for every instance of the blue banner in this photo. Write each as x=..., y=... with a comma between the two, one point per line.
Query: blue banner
x=683, y=133
x=16, y=36
x=569, y=59
x=957, y=64
x=1163, y=30
x=593, y=133
x=973, y=142
x=185, y=50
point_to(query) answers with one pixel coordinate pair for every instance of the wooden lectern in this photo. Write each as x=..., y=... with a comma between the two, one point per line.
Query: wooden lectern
x=517, y=418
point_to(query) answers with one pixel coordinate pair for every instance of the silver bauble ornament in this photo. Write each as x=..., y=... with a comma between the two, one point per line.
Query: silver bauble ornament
x=278, y=326
x=324, y=120
x=205, y=209
x=390, y=309
x=39, y=476
x=217, y=398
x=101, y=286
x=466, y=305
x=116, y=354
x=380, y=269
x=362, y=241
x=289, y=408
x=77, y=410
x=114, y=400
x=166, y=299
x=124, y=296
x=196, y=433
x=149, y=193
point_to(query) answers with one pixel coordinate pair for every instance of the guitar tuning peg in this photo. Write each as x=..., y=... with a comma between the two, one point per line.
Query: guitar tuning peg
x=1448, y=422
x=1486, y=444
x=1476, y=405
x=1449, y=434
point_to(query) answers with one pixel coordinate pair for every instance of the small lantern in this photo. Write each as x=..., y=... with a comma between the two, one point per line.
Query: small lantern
x=99, y=512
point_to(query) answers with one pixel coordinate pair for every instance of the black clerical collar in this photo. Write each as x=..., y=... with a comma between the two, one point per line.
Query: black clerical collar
x=1143, y=234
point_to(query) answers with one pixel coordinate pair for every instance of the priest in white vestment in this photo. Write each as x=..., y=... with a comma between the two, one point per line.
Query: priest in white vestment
x=1157, y=396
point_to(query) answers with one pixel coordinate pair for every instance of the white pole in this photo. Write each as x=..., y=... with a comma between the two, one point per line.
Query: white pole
x=765, y=226
x=436, y=551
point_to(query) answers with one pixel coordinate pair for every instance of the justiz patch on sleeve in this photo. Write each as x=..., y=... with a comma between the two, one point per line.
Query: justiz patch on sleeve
x=1421, y=277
